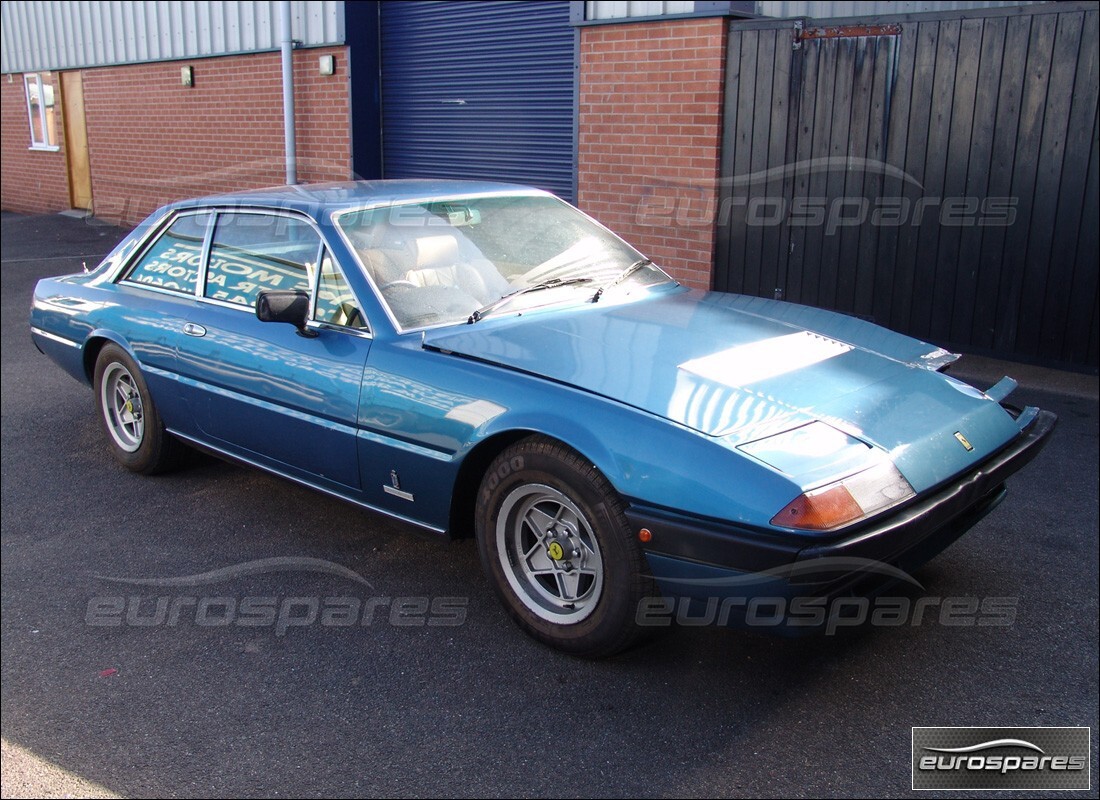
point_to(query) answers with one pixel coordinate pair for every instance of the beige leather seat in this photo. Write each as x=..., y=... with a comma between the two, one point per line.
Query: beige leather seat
x=406, y=259
x=436, y=261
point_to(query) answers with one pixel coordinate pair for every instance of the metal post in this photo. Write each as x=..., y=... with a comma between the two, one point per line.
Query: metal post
x=288, y=94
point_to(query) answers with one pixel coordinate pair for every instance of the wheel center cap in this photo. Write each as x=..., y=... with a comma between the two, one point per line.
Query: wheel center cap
x=555, y=550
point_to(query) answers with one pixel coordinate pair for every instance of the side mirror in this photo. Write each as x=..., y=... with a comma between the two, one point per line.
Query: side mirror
x=291, y=307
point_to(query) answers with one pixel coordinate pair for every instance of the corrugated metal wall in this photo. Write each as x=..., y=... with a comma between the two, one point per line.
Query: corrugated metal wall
x=619, y=9
x=68, y=34
x=942, y=181
x=481, y=90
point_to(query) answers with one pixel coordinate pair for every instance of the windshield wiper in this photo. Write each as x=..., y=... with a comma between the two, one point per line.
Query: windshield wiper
x=622, y=276
x=553, y=283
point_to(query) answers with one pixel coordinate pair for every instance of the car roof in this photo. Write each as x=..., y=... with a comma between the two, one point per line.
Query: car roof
x=320, y=198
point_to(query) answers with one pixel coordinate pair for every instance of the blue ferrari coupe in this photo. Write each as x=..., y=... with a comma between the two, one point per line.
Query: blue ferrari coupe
x=484, y=359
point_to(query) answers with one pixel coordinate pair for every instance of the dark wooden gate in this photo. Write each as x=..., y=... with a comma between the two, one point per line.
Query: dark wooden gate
x=934, y=172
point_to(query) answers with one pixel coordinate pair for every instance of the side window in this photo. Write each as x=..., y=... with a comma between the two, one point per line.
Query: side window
x=253, y=252
x=172, y=261
x=41, y=110
x=336, y=304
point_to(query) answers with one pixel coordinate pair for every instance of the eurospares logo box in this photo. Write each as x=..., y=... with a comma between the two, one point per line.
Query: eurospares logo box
x=1001, y=758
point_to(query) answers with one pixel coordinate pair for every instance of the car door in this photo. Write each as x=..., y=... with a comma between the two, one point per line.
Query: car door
x=263, y=391
x=158, y=290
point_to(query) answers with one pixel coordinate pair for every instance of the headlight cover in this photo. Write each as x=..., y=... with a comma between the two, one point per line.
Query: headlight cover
x=813, y=453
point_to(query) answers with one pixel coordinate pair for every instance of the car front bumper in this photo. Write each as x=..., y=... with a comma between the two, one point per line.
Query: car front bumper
x=705, y=560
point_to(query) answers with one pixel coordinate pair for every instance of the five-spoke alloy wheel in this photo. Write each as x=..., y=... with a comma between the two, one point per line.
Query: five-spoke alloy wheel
x=135, y=431
x=123, y=411
x=549, y=553
x=555, y=544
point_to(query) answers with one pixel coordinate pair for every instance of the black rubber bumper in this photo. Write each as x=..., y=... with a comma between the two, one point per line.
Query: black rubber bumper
x=905, y=539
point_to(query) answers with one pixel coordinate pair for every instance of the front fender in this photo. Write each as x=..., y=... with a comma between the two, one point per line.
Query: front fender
x=650, y=460
x=424, y=412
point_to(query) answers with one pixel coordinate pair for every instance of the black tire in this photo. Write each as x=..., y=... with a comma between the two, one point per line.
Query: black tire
x=593, y=571
x=134, y=430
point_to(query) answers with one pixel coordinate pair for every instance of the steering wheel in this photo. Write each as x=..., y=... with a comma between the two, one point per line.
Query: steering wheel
x=348, y=315
x=399, y=282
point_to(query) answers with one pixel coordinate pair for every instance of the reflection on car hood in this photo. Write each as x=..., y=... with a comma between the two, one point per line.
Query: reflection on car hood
x=743, y=367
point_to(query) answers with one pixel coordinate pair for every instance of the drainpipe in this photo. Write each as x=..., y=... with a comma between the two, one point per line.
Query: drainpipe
x=288, y=95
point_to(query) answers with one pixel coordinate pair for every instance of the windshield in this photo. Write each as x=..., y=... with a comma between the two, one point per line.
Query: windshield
x=444, y=262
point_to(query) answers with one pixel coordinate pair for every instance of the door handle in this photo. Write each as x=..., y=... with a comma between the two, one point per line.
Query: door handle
x=191, y=329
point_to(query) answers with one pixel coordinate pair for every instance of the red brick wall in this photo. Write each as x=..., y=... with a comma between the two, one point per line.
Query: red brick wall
x=34, y=181
x=152, y=140
x=650, y=134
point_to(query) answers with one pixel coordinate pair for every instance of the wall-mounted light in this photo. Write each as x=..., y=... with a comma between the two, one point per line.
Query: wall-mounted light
x=187, y=76
x=328, y=65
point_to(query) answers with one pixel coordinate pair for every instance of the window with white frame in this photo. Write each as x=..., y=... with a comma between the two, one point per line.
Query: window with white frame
x=41, y=110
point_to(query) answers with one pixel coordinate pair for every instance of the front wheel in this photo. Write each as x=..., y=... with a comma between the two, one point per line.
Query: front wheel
x=556, y=546
x=135, y=432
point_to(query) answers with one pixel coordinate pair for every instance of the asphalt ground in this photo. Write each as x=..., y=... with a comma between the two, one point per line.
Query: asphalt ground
x=414, y=705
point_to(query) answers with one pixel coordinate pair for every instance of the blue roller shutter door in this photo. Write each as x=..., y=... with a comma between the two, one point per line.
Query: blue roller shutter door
x=479, y=90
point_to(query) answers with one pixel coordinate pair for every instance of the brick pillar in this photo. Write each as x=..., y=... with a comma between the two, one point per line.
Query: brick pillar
x=650, y=137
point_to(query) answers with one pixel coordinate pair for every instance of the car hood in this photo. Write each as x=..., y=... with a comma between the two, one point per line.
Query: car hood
x=743, y=368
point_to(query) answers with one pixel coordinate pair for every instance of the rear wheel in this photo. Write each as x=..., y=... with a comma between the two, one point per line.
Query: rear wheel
x=135, y=432
x=555, y=544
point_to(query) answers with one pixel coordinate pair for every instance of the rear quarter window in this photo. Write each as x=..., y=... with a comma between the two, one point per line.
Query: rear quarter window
x=172, y=261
